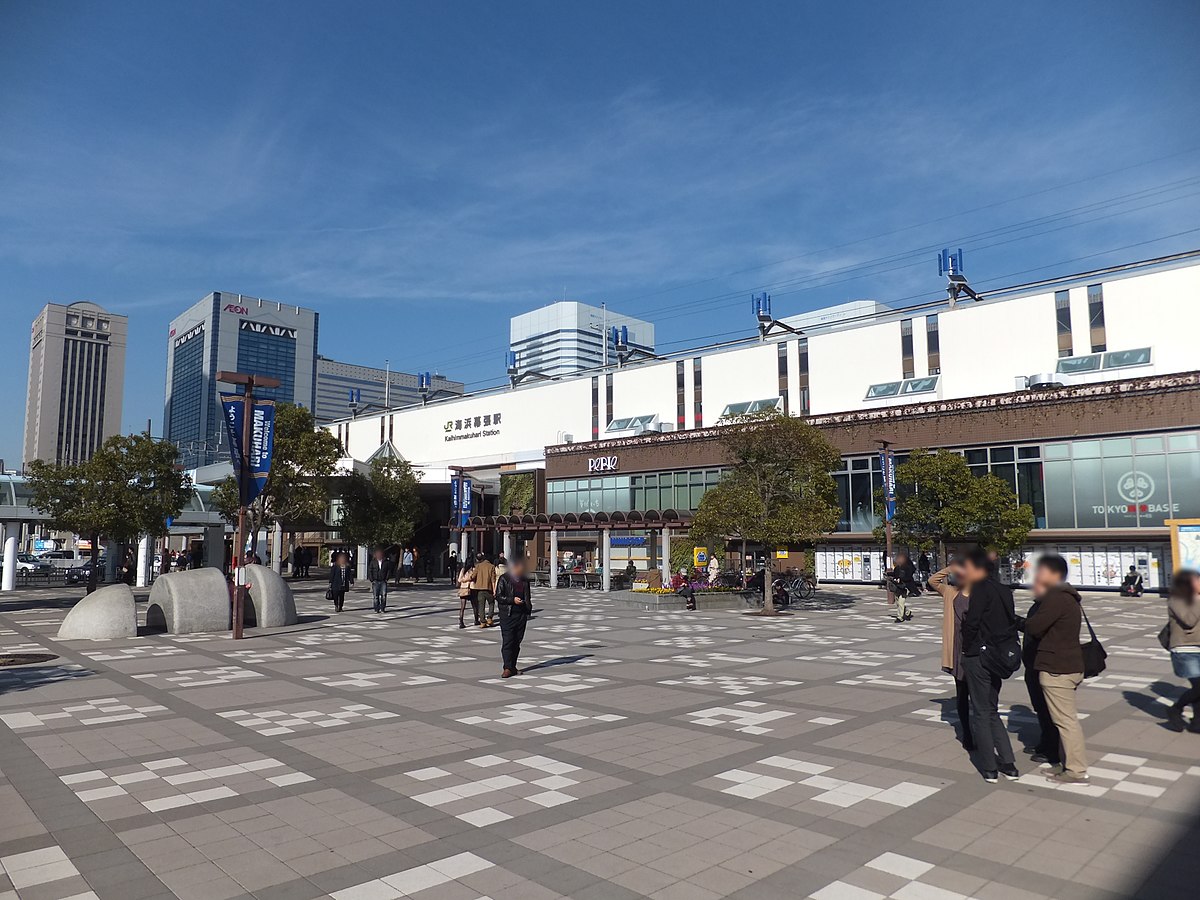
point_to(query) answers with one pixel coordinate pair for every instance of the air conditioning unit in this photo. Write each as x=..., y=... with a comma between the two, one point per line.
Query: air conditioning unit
x=1043, y=380
x=565, y=438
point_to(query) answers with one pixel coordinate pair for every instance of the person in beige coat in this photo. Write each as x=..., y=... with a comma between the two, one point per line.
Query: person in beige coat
x=484, y=590
x=466, y=577
x=954, y=607
x=1183, y=637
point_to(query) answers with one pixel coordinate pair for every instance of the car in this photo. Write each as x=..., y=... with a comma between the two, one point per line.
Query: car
x=62, y=558
x=82, y=572
x=29, y=564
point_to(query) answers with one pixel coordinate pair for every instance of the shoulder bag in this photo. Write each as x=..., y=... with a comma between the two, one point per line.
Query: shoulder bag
x=1002, y=657
x=1094, y=654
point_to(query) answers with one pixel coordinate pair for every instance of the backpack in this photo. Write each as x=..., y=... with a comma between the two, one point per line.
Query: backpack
x=1002, y=657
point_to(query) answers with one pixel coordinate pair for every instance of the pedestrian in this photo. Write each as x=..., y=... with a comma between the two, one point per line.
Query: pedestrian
x=988, y=625
x=452, y=561
x=379, y=570
x=407, y=562
x=487, y=595
x=923, y=567
x=714, y=569
x=341, y=579
x=306, y=555
x=466, y=577
x=948, y=582
x=1054, y=623
x=1132, y=586
x=1183, y=640
x=297, y=560
x=902, y=579
x=1047, y=750
x=427, y=564
x=515, y=602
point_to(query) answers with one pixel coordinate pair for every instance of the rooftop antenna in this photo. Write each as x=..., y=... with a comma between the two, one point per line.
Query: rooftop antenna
x=951, y=265
x=760, y=305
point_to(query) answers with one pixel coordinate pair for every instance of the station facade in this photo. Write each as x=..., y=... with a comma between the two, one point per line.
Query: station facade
x=1082, y=392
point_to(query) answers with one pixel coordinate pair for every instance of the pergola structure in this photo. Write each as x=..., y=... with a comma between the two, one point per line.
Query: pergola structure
x=605, y=523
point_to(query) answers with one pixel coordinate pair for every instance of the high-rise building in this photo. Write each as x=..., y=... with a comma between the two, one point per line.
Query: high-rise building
x=374, y=389
x=568, y=337
x=76, y=381
x=233, y=333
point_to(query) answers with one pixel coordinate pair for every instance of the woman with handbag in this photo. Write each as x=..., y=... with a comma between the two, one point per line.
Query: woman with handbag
x=466, y=578
x=1182, y=634
x=954, y=606
x=341, y=578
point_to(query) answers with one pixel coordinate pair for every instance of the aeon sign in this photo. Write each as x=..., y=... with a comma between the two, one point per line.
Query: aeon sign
x=602, y=464
x=238, y=310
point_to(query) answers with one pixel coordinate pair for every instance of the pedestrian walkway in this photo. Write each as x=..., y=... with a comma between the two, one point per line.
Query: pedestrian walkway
x=671, y=755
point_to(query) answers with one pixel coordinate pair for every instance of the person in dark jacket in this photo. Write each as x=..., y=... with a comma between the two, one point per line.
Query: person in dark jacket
x=379, y=570
x=341, y=579
x=1047, y=750
x=1132, y=586
x=514, y=604
x=1059, y=660
x=990, y=618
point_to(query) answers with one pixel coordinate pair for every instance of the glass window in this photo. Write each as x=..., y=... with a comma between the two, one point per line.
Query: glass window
x=1183, y=442
x=1062, y=318
x=1029, y=452
x=1056, y=451
x=1030, y=490
x=1060, y=496
x=1095, y=298
x=842, y=481
x=1149, y=444
x=887, y=389
x=1119, y=359
x=1185, y=484
x=861, y=518
x=1148, y=488
x=860, y=463
x=1117, y=447
x=1085, y=449
x=1089, y=492
x=1007, y=472
x=1077, y=364
x=977, y=457
x=1002, y=454
x=920, y=385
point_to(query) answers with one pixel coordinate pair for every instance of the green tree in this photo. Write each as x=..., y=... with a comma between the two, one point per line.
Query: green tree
x=383, y=507
x=302, y=468
x=130, y=487
x=778, y=490
x=938, y=500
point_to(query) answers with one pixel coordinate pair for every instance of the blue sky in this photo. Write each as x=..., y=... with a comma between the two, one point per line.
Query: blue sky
x=421, y=172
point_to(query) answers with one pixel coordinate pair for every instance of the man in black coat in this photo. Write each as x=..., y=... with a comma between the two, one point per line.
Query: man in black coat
x=379, y=570
x=514, y=604
x=990, y=621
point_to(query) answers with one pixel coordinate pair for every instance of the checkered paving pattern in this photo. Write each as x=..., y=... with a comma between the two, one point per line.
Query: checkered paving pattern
x=665, y=755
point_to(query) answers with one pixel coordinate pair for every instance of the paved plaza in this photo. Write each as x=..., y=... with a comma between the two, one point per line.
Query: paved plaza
x=671, y=755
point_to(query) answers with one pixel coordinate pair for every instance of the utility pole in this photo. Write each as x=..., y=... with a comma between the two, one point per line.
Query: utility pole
x=887, y=461
x=244, y=475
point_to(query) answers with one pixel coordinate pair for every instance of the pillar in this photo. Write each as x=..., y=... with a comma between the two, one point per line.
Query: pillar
x=145, y=560
x=364, y=558
x=665, y=565
x=8, y=581
x=111, y=551
x=277, y=548
x=508, y=545
x=214, y=547
x=464, y=548
x=554, y=558
x=606, y=574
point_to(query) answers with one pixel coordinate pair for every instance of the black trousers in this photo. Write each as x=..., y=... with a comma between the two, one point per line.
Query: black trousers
x=339, y=598
x=992, y=746
x=1048, y=741
x=962, y=700
x=512, y=632
x=1190, y=697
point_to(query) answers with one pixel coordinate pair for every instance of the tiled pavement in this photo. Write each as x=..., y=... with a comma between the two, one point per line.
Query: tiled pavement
x=677, y=756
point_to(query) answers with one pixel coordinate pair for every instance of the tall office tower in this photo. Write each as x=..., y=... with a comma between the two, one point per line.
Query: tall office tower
x=76, y=381
x=568, y=337
x=233, y=333
x=375, y=389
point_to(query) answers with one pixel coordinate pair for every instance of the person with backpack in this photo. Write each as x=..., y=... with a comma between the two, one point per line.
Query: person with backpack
x=991, y=653
x=1058, y=661
x=1182, y=635
x=514, y=602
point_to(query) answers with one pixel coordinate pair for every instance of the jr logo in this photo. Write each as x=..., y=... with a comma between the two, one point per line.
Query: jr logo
x=602, y=464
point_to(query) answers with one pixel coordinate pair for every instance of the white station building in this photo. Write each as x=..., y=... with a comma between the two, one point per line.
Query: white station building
x=1125, y=335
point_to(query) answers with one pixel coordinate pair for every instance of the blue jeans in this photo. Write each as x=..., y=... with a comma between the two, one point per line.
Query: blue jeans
x=379, y=592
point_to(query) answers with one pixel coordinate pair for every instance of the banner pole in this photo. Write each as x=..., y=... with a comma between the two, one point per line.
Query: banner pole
x=239, y=587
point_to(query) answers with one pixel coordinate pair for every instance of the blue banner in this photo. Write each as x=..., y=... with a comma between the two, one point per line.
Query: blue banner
x=454, y=501
x=466, y=502
x=887, y=464
x=257, y=461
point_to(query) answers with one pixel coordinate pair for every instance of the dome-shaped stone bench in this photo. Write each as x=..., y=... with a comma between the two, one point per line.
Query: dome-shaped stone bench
x=195, y=600
x=269, y=601
x=103, y=615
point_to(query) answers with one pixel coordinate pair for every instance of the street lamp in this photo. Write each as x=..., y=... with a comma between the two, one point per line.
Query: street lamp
x=244, y=474
x=887, y=462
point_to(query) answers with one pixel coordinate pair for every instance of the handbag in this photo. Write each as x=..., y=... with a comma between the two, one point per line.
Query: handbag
x=328, y=593
x=1094, y=654
x=1164, y=636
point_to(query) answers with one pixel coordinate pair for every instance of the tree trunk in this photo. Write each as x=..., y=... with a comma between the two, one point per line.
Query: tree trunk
x=744, y=562
x=768, y=588
x=941, y=561
x=93, y=574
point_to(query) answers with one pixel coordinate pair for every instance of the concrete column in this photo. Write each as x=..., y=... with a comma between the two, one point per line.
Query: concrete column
x=554, y=559
x=277, y=548
x=145, y=560
x=8, y=581
x=364, y=558
x=111, y=549
x=464, y=548
x=508, y=545
x=606, y=575
x=665, y=564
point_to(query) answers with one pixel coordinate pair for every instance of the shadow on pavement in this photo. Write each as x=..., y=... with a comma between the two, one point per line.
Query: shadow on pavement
x=26, y=678
x=559, y=661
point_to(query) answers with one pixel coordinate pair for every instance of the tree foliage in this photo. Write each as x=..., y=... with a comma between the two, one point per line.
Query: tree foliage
x=938, y=500
x=517, y=493
x=302, y=467
x=130, y=487
x=383, y=507
x=778, y=491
